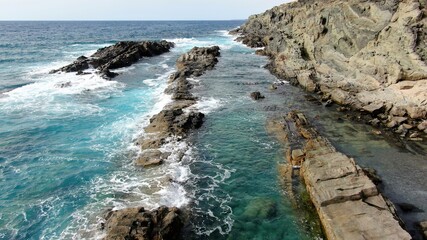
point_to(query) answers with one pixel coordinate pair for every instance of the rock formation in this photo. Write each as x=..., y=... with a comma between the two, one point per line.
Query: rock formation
x=174, y=122
x=121, y=54
x=347, y=201
x=136, y=223
x=176, y=119
x=370, y=55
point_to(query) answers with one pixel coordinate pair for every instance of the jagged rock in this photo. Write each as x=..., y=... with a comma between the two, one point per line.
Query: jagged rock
x=139, y=224
x=122, y=54
x=256, y=96
x=173, y=122
x=358, y=52
x=195, y=62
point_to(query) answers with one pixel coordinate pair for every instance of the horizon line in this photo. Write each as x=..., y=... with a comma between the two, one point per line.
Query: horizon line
x=121, y=20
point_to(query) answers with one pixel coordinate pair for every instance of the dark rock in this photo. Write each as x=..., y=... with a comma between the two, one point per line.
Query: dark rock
x=257, y=96
x=373, y=175
x=137, y=223
x=329, y=103
x=122, y=54
x=195, y=62
x=107, y=74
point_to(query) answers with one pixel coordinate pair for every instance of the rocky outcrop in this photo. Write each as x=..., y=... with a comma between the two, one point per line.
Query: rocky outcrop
x=347, y=201
x=177, y=119
x=174, y=122
x=357, y=53
x=139, y=224
x=256, y=96
x=121, y=54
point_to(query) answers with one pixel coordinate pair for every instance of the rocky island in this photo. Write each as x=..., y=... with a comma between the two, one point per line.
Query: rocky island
x=119, y=55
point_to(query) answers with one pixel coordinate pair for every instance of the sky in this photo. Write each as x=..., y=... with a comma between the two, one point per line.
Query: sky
x=133, y=9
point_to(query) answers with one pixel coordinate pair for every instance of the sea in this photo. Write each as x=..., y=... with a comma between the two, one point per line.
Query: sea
x=67, y=142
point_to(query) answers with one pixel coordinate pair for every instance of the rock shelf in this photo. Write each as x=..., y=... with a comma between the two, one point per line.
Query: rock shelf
x=347, y=201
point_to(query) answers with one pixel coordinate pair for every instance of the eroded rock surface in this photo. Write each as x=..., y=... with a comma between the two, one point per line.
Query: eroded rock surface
x=370, y=55
x=139, y=224
x=121, y=54
x=347, y=201
x=177, y=118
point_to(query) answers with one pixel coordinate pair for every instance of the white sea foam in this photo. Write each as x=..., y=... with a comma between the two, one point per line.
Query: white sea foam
x=206, y=105
x=48, y=96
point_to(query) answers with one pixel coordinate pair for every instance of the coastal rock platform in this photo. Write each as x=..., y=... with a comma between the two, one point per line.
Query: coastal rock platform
x=368, y=55
x=347, y=201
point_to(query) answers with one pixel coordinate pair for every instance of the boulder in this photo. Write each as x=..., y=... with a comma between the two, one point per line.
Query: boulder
x=139, y=224
x=256, y=96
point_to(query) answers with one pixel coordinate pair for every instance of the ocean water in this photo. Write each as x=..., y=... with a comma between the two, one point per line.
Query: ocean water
x=66, y=153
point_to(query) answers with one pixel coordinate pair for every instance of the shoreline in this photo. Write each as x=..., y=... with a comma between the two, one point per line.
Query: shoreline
x=304, y=58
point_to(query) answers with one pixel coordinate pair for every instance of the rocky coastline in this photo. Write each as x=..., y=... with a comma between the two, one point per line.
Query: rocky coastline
x=345, y=196
x=173, y=123
x=119, y=55
x=366, y=56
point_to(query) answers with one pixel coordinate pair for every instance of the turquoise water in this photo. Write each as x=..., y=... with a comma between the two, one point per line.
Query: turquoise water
x=66, y=154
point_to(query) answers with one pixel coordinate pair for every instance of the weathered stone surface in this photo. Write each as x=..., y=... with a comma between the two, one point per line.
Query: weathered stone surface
x=360, y=220
x=122, y=54
x=177, y=118
x=348, y=202
x=150, y=158
x=139, y=224
x=355, y=52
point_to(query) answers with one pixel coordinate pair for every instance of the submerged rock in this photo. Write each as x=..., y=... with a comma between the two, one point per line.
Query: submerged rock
x=122, y=54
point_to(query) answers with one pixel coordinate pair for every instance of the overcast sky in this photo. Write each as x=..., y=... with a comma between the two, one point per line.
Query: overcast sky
x=132, y=9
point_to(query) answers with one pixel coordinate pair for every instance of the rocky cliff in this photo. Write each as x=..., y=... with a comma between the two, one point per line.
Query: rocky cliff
x=370, y=55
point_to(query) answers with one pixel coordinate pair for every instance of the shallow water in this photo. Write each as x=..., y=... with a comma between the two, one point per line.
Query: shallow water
x=66, y=153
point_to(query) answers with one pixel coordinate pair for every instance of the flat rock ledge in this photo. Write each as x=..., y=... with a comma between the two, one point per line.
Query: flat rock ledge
x=119, y=55
x=139, y=224
x=348, y=203
x=177, y=118
x=370, y=56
